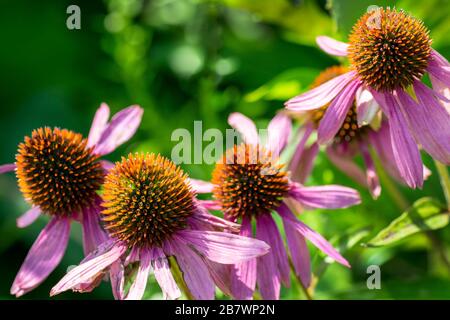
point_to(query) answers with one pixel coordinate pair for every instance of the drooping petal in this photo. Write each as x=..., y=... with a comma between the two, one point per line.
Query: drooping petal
x=279, y=130
x=347, y=165
x=43, y=257
x=277, y=248
x=137, y=288
x=4, y=168
x=372, y=178
x=117, y=277
x=299, y=253
x=93, y=233
x=205, y=218
x=439, y=68
x=201, y=186
x=366, y=106
x=28, y=217
x=163, y=274
x=224, y=247
x=328, y=197
x=332, y=46
x=195, y=273
x=243, y=278
x=320, y=96
x=83, y=273
x=405, y=150
x=307, y=129
x=311, y=235
x=443, y=91
x=268, y=275
x=305, y=166
x=221, y=275
x=121, y=128
x=335, y=114
x=99, y=125
x=245, y=126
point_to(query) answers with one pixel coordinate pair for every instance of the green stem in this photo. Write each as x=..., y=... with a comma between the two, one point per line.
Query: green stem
x=304, y=289
x=445, y=180
x=178, y=276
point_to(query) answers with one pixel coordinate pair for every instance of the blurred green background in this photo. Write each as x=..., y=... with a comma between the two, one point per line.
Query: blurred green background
x=186, y=60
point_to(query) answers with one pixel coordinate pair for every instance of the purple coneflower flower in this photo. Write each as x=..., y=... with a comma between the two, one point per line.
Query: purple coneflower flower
x=250, y=184
x=151, y=213
x=389, y=52
x=59, y=173
x=351, y=139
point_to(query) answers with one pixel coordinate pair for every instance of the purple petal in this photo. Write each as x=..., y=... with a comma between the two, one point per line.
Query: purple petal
x=243, y=278
x=328, y=197
x=221, y=275
x=208, y=220
x=195, y=273
x=121, y=128
x=405, y=150
x=117, y=277
x=299, y=253
x=245, y=127
x=93, y=233
x=439, y=68
x=163, y=274
x=320, y=96
x=366, y=106
x=224, y=247
x=372, y=178
x=28, y=217
x=307, y=130
x=347, y=165
x=107, y=165
x=335, y=114
x=268, y=275
x=277, y=248
x=210, y=204
x=7, y=168
x=137, y=288
x=88, y=270
x=311, y=235
x=43, y=257
x=443, y=91
x=279, y=130
x=200, y=186
x=332, y=46
x=99, y=125
x=304, y=168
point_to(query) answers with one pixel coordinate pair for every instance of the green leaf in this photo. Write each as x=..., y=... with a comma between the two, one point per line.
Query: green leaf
x=425, y=214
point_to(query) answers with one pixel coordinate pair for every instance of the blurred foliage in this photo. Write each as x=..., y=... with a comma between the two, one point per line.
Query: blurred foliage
x=187, y=60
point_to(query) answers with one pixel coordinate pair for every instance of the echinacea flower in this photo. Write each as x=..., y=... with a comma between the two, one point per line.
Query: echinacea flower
x=250, y=184
x=151, y=213
x=389, y=53
x=351, y=139
x=59, y=173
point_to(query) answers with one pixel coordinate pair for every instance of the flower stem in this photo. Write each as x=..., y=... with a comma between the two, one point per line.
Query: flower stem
x=445, y=180
x=305, y=290
x=178, y=276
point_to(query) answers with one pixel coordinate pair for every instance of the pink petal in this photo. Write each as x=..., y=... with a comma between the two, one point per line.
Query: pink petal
x=243, y=278
x=332, y=46
x=222, y=247
x=43, y=257
x=205, y=218
x=88, y=270
x=307, y=130
x=121, y=128
x=311, y=235
x=210, y=204
x=299, y=253
x=279, y=130
x=137, y=288
x=443, y=91
x=347, y=165
x=320, y=96
x=305, y=166
x=99, y=125
x=93, y=233
x=245, y=127
x=366, y=106
x=117, y=277
x=200, y=186
x=335, y=114
x=107, y=165
x=268, y=275
x=439, y=68
x=163, y=274
x=406, y=152
x=28, y=217
x=195, y=273
x=277, y=248
x=328, y=197
x=372, y=178
x=7, y=168
x=220, y=274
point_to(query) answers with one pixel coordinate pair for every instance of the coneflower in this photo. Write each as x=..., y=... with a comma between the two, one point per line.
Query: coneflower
x=59, y=173
x=151, y=213
x=250, y=184
x=389, y=53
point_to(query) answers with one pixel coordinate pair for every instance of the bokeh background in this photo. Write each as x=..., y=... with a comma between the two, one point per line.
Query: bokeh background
x=186, y=60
